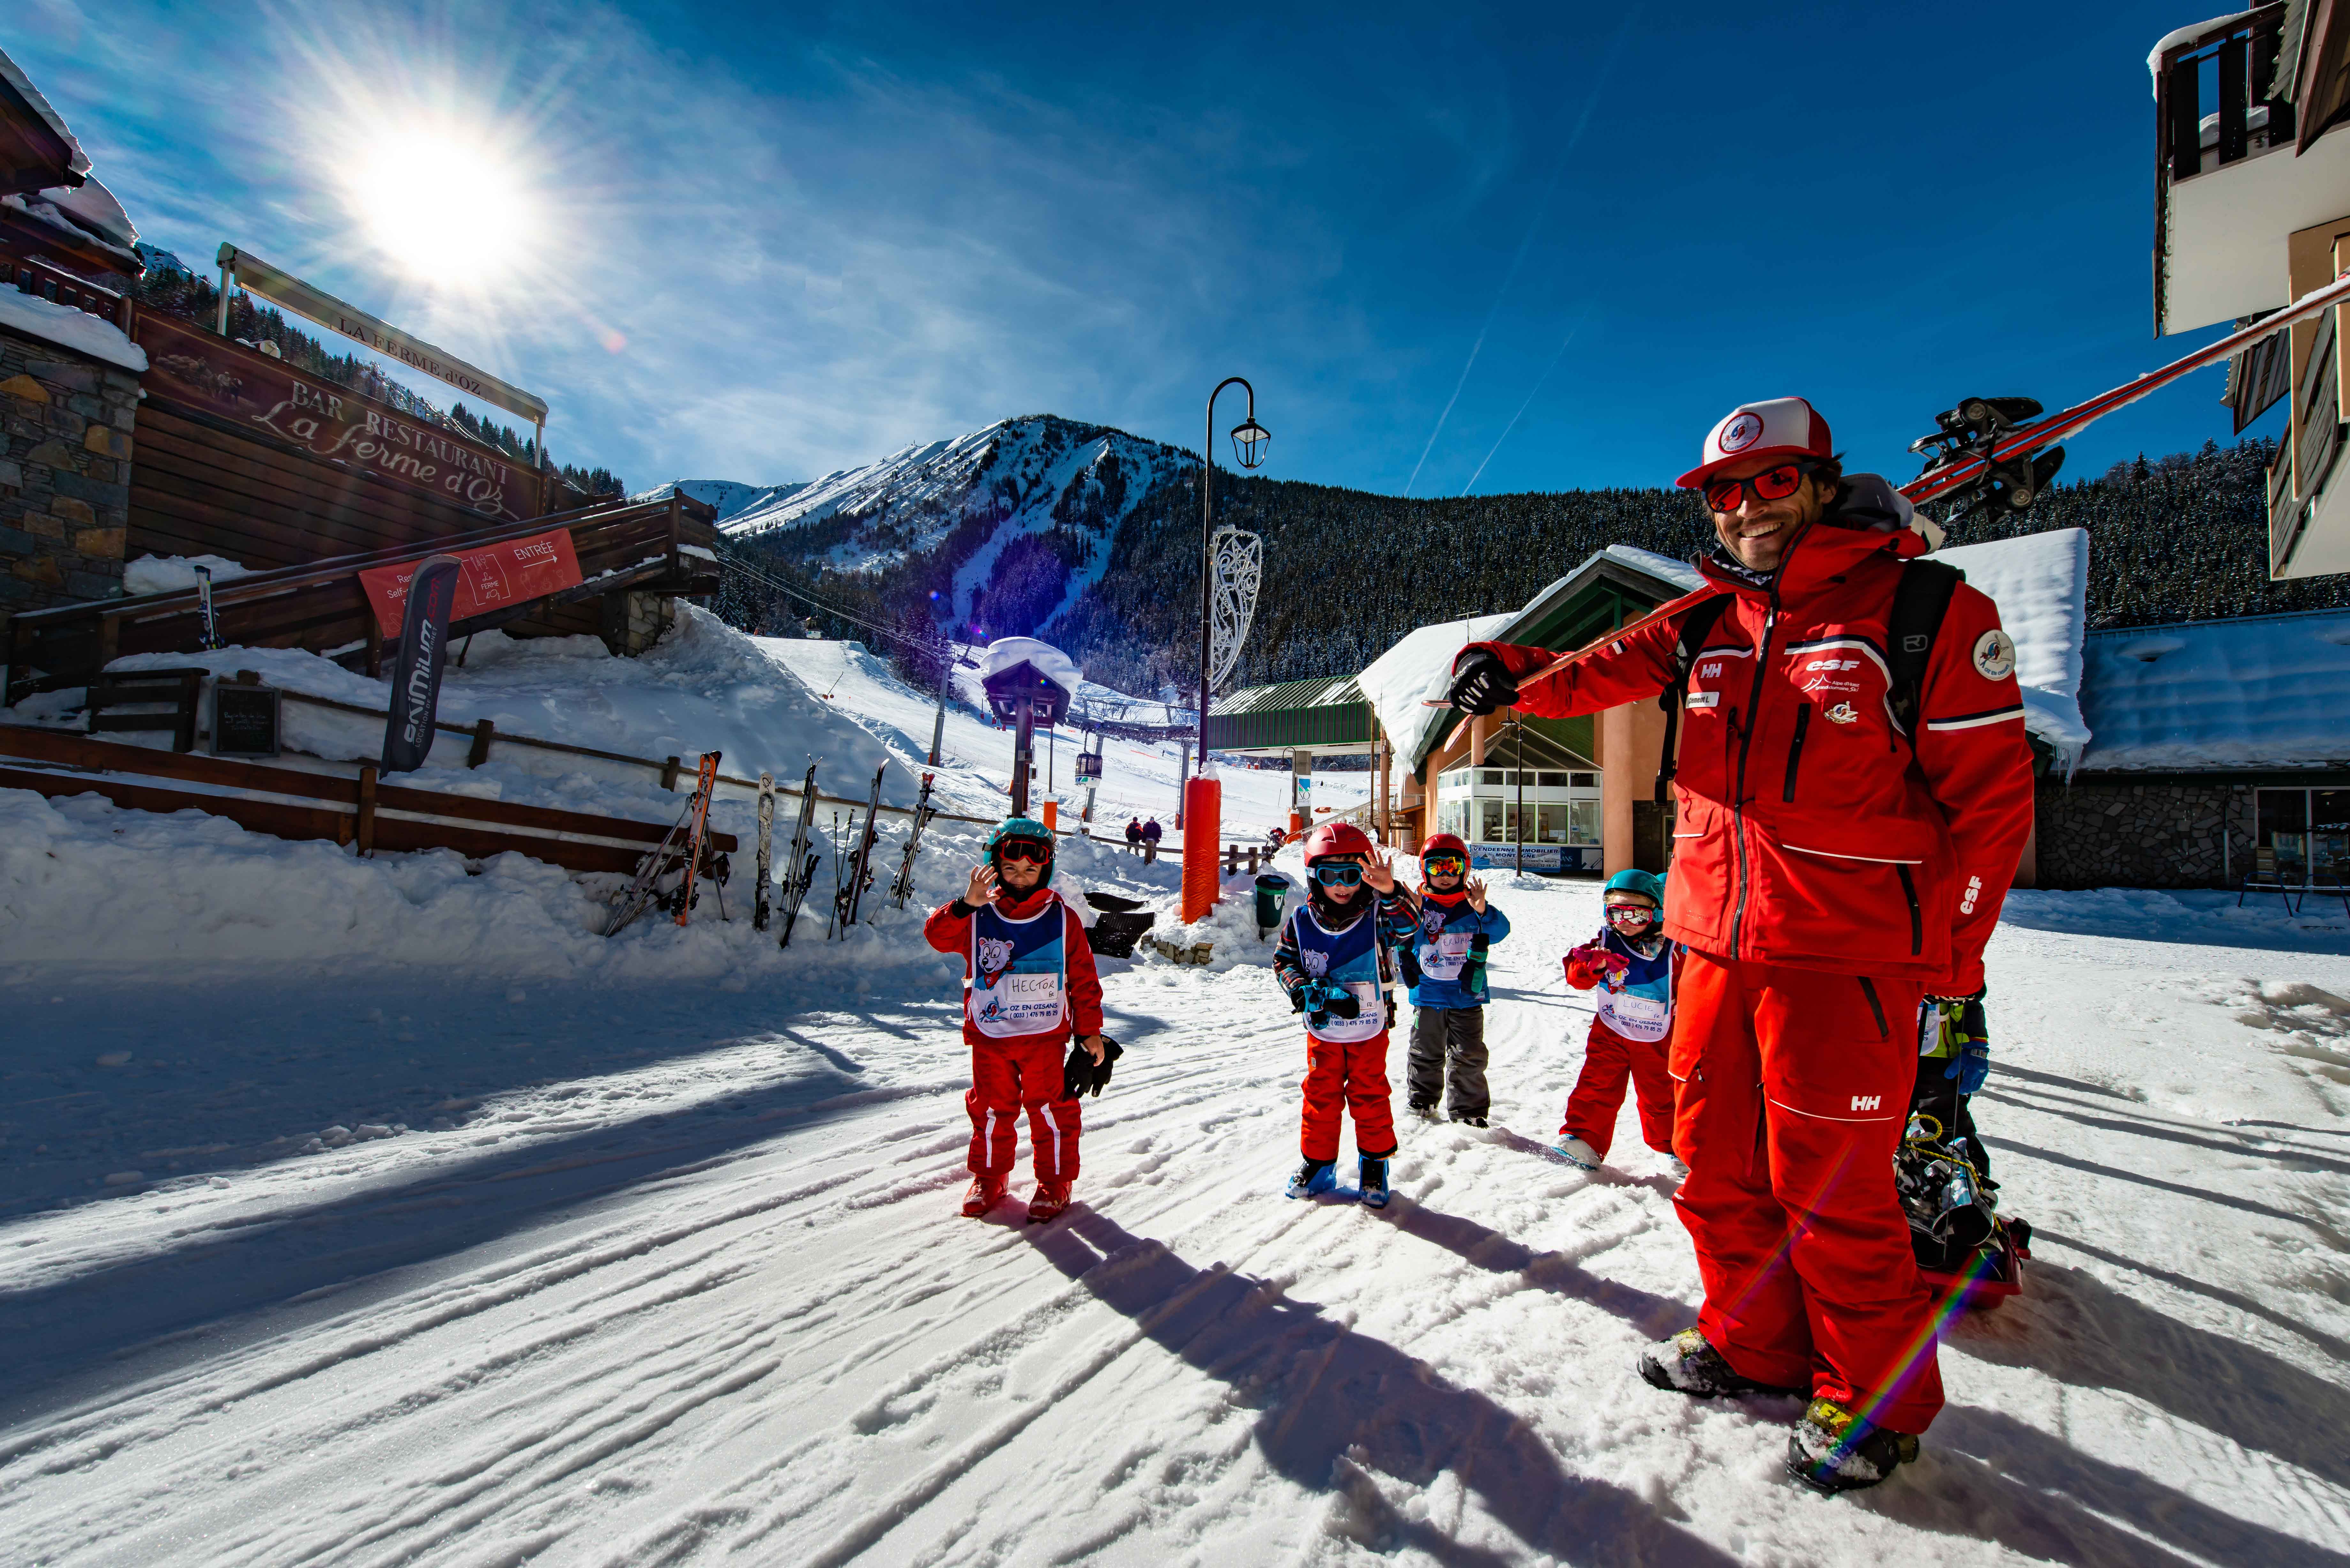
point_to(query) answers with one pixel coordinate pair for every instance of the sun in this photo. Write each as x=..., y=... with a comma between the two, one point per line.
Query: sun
x=446, y=207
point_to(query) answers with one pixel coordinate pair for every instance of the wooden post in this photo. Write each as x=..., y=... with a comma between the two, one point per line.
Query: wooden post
x=366, y=825
x=668, y=773
x=1252, y=860
x=480, y=749
x=374, y=648
x=1232, y=860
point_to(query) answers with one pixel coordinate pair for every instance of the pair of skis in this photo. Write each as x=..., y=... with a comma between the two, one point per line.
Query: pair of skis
x=686, y=840
x=799, y=862
x=858, y=873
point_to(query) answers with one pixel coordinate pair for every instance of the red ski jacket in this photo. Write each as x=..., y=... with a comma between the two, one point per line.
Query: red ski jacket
x=1812, y=831
x=949, y=930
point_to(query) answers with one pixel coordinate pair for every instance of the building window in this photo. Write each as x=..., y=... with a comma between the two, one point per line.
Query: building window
x=1490, y=824
x=1551, y=781
x=2307, y=830
x=1457, y=779
x=1583, y=821
x=1550, y=824
x=1584, y=781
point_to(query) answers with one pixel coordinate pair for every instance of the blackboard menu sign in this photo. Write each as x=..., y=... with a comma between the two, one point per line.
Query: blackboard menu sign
x=245, y=719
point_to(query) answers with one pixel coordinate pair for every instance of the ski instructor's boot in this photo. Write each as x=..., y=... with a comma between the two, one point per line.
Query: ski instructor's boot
x=1831, y=1450
x=1685, y=1364
x=986, y=1192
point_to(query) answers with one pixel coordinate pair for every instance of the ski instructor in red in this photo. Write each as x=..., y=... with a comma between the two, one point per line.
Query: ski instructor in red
x=1843, y=843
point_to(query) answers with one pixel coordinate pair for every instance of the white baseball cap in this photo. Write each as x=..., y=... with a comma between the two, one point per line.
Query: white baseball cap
x=1782, y=426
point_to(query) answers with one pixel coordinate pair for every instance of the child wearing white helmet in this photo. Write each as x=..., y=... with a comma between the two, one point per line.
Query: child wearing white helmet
x=1631, y=963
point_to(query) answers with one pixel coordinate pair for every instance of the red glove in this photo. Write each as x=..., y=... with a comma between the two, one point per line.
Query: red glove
x=1591, y=962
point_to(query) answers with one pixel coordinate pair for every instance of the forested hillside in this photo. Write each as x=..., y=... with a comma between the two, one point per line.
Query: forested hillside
x=1348, y=572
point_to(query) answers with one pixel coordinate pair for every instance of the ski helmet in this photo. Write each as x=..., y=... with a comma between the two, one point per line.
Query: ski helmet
x=1646, y=884
x=1443, y=844
x=1024, y=828
x=1333, y=839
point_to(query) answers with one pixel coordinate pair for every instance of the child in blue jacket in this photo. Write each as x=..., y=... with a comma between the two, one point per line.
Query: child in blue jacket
x=1450, y=930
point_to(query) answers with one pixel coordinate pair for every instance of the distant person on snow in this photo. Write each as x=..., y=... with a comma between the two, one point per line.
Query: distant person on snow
x=1631, y=962
x=1442, y=938
x=1150, y=834
x=1332, y=960
x=1843, y=843
x=1134, y=835
x=1028, y=978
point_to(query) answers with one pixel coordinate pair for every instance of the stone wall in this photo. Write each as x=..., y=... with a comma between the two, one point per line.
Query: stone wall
x=634, y=620
x=2111, y=833
x=66, y=430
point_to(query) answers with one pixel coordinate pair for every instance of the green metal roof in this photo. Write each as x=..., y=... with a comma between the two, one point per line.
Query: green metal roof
x=1296, y=715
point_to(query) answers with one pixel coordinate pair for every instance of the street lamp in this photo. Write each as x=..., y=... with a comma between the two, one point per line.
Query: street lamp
x=1249, y=440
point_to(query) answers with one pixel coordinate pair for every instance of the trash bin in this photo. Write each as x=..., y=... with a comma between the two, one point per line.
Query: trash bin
x=1272, y=893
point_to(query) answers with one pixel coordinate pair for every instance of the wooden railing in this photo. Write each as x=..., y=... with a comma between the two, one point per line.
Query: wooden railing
x=31, y=274
x=353, y=807
x=322, y=606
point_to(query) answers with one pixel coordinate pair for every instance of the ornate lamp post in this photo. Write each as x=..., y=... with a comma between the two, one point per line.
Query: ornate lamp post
x=1202, y=815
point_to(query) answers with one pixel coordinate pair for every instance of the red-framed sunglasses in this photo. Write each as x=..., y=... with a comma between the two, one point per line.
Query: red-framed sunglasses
x=1027, y=849
x=1770, y=484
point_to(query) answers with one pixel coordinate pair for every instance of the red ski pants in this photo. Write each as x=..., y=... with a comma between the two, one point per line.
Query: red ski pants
x=1794, y=1088
x=1607, y=1059
x=1353, y=1077
x=1005, y=1079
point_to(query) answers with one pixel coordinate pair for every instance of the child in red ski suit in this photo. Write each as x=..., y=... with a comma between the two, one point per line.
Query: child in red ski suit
x=1333, y=961
x=1028, y=975
x=1631, y=962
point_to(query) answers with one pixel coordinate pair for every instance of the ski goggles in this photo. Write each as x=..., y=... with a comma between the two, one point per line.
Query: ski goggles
x=1630, y=914
x=1338, y=874
x=1029, y=849
x=1770, y=484
x=1441, y=865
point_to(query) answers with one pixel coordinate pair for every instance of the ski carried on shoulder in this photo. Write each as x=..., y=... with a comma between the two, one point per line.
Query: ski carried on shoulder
x=1996, y=452
x=859, y=872
x=766, y=850
x=800, y=865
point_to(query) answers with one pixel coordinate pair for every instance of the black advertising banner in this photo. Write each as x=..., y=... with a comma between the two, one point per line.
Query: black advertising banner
x=423, y=652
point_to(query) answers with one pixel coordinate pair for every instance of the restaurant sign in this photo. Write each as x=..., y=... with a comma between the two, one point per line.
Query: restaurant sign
x=495, y=577
x=191, y=365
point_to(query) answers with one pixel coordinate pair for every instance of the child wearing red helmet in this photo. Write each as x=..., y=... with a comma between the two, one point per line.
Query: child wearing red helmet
x=1334, y=961
x=1442, y=940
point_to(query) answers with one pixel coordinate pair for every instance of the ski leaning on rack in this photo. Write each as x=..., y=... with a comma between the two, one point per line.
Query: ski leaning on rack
x=799, y=865
x=766, y=850
x=859, y=874
x=683, y=838
x=903, y=887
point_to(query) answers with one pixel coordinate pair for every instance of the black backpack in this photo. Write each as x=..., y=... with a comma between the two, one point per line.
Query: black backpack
x=1919, y=601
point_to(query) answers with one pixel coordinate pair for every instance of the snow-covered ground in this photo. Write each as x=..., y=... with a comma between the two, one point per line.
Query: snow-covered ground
x=535, y=1246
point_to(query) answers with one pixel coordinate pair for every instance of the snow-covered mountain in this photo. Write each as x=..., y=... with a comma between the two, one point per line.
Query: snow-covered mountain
x=975, y=496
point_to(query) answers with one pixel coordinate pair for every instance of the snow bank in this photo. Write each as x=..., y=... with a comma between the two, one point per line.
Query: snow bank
x=2041, y=584
x=2266, y=691
x=173, y=574
x=1401, y=681
x=70, y=329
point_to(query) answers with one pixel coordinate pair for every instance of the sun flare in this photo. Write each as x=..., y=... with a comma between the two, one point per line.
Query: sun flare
x=443, y=207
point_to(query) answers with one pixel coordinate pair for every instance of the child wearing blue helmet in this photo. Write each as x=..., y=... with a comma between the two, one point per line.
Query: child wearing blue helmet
x=1631, y=964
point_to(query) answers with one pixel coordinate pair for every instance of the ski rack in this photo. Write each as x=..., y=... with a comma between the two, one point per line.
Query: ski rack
x=799, y=865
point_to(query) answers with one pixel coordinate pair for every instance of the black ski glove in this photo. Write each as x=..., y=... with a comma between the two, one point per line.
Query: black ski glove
x=1483, y=683
x=1080, y=1075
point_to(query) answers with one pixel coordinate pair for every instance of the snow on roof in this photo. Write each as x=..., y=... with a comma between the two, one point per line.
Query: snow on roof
x=2041, y=584
x=70, y=329
x=2261, y=691
x=1008, y=652
x=2179, y=36
x=1401, y=681
x=1681, y=574
x=93, y=207
x=16, y=77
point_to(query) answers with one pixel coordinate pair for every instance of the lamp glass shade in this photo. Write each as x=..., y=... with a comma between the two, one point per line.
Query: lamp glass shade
x=1249, y=441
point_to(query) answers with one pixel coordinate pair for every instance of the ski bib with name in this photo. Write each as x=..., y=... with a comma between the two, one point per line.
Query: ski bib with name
x=1017, y=972
x=1639, y=1005
x=1349, y=958
x=1442, y=953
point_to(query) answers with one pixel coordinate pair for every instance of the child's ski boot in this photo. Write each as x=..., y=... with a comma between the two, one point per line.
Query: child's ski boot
x=1375, y=1181
x=1313, y=1177
x=1685, y=1364
x=986, y=1192
x=1576, y=1152
x=1833, y=1451
x=1052, y=1197
x=1427, y=1113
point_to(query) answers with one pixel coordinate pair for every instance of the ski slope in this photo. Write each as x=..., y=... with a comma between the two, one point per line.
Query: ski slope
x=378, y=1211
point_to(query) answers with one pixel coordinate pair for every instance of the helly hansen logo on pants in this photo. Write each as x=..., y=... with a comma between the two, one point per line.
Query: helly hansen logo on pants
x=1866, y=1102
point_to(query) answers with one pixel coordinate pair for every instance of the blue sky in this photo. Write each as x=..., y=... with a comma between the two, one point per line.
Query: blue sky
x=768, y=241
